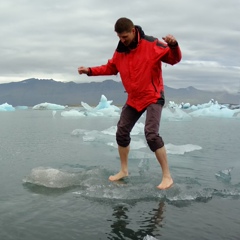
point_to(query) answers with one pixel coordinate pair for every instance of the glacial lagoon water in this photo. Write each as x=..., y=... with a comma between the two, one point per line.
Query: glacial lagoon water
x=54, y=184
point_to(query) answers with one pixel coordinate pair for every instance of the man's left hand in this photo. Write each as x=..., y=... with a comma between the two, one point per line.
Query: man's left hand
x=170, y=40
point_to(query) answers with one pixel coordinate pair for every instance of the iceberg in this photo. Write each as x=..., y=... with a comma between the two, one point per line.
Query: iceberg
x=215, y=110
x=104, y=108
x=6, y=107
x=48, y=106
x=78, y=132
x=175, y=114
x=172, y=112
x=184, y=111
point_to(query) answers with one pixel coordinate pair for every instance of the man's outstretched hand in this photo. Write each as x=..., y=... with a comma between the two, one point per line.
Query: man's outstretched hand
x=170, y=40
x=83, y=70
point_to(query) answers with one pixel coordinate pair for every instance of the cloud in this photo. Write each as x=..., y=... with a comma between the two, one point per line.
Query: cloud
x=50, y=39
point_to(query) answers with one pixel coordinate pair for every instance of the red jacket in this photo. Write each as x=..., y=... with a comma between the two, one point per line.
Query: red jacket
x=140, y=68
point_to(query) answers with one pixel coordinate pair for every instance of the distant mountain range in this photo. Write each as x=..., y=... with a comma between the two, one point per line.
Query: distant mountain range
x=33, y=91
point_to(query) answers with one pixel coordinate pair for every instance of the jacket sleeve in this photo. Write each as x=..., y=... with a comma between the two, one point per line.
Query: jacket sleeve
x=173, y=55
x=168, y=54
x=108, y=69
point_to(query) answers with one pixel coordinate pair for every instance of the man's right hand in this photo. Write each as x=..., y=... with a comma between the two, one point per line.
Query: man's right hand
x=83, y=70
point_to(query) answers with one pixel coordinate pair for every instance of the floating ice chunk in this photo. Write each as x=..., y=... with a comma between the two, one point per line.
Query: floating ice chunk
x=72, y=113
x=135, y=144
x=148, y=237
x=51, y=178
x=78, y=132
x=96, y=136
x=181, y=149
x=104, y=108
x=224, y=175
x=104, y=103
x=138, y=144
x=6, y=107
x=137, y=130
x=216, y=110
x=210, y=109
x=110, y=131
x=110, y=112
x=186, y=105
x=48, y=106
x=86, y=106
x=22, y=107
x=175, y=114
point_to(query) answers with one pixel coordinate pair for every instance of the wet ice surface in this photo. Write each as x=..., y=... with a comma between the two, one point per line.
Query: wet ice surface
x=93, y=183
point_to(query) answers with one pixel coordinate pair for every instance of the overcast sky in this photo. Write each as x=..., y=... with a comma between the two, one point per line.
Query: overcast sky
x=50, y=39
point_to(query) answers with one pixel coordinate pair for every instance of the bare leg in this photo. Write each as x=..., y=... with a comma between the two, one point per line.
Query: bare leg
x=167, y=180
x=123, y=153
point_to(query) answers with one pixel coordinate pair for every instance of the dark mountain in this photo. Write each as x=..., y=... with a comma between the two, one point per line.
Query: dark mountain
x=34, y=91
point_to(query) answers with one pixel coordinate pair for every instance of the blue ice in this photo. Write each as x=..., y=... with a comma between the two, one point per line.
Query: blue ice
x=224, y=175
x=6, y=107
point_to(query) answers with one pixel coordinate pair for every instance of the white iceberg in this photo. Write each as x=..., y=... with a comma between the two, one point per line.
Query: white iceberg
x=216, y=110
x=175, y=114
x=104, y=108
x=48, y=106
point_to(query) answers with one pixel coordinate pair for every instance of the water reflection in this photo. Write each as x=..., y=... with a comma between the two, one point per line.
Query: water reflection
x=124, y=227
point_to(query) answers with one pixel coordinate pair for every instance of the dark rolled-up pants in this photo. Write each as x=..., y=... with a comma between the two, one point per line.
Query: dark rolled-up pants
x=128, y=118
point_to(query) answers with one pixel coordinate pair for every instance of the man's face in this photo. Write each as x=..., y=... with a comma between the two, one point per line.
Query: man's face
x=127, y=37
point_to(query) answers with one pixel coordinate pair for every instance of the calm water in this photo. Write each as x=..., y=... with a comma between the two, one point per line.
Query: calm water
x=54, y=185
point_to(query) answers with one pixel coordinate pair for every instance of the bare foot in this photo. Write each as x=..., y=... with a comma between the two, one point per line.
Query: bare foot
x=166, y=183
x=118, y=176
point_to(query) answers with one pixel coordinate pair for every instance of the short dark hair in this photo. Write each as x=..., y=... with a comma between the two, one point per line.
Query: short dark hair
x=123, y=25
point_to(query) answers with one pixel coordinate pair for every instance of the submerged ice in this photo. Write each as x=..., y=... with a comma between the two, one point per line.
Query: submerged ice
x=224, y=175
x=51, y=178
x=93, y=183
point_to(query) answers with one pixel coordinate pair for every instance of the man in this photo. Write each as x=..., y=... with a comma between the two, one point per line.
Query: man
x=138, y=59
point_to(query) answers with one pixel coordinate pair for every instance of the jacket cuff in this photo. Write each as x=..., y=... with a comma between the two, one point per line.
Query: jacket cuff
x=89, y=72
x=173, y=46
